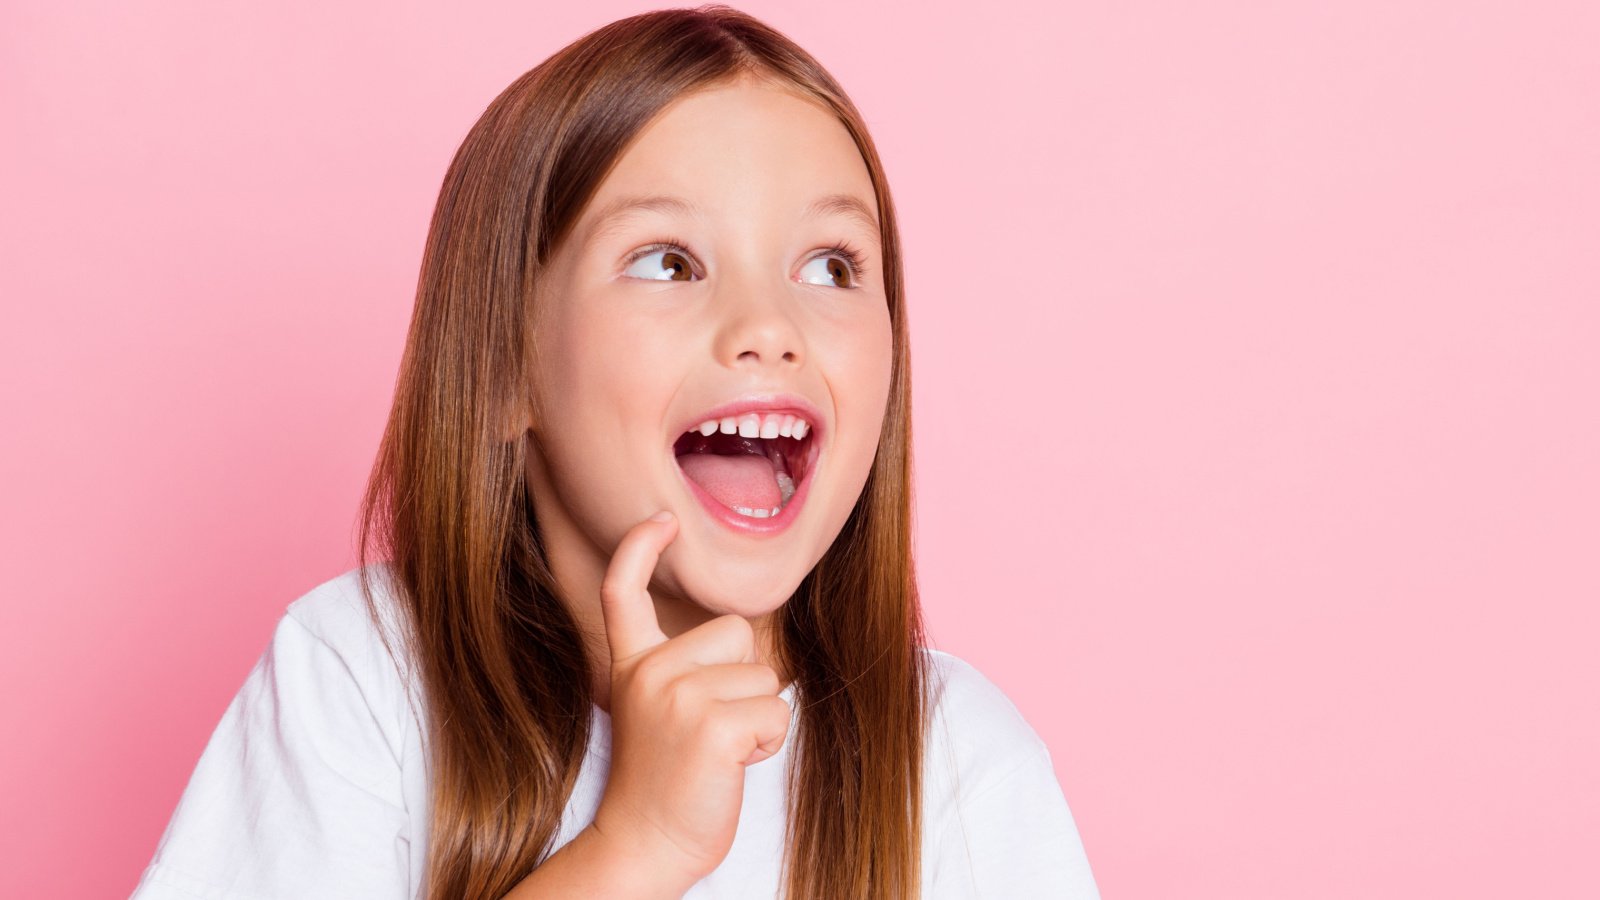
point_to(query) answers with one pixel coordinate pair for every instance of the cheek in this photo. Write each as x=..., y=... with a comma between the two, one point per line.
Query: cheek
x=582, y=382
x=600, y=402
x=594, y=359
x=871, y=363
x=860, y=366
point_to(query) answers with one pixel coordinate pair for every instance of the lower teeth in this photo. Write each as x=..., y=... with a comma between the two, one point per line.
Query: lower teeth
x=785, y=489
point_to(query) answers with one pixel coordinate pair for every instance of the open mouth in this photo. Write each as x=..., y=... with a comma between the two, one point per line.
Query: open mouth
x=753, y=476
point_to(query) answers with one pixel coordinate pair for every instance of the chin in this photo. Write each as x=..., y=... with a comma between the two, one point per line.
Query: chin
x=751, y=594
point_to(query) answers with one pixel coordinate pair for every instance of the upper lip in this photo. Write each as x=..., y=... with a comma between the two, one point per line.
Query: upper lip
x=793, y=404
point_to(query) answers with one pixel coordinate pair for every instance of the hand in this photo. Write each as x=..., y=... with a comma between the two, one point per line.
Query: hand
x=687, y=715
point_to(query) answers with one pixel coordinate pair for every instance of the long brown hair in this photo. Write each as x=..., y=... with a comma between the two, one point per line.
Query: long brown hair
x=500, y=660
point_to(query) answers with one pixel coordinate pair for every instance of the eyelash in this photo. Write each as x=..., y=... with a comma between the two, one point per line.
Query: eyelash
x=844, y=249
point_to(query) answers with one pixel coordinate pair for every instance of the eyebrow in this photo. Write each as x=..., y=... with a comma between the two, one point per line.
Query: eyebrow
x=618, y=210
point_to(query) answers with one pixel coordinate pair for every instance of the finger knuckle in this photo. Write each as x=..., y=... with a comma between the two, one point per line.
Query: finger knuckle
x=651, y=673
x=740, y=629
x=686, y=692
x=719, y=731
x=779, y=710
x=679, y=705
x=770, y=683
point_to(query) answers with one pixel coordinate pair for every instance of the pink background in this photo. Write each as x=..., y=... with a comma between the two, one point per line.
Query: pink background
x=1256, y=358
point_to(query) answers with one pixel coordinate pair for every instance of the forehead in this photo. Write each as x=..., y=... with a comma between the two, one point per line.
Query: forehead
x=747, y=152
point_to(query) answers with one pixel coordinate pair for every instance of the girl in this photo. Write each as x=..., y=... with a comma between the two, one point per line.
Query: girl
x=646, y=622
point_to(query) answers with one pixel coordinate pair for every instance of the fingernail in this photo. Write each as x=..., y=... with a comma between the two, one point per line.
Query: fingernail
x=662, y=516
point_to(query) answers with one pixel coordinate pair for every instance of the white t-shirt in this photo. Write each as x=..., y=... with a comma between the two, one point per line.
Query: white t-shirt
x=314, y=784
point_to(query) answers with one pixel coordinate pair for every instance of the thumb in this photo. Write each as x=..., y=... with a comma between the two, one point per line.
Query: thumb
x=625, y=604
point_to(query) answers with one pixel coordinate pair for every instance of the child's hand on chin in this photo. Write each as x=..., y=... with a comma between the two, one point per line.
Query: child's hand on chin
x=687, y=715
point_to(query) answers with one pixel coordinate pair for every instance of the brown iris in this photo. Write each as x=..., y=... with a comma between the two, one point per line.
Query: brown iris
x=681, y=267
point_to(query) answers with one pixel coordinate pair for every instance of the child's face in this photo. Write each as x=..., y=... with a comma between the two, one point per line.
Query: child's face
x=635, y=344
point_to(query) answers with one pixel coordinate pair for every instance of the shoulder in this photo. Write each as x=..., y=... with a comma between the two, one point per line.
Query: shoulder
x=998, y=824
x=981, y=714
x=368, y=641
x=336, y=611
x=977, y=736
x=306, y=786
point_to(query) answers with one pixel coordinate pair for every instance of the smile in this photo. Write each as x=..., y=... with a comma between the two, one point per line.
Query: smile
x=750, y=471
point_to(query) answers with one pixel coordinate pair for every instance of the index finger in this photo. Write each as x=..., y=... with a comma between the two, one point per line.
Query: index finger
x=630, y=614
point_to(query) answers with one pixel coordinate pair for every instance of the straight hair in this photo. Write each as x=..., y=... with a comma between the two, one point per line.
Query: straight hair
x=499, y=659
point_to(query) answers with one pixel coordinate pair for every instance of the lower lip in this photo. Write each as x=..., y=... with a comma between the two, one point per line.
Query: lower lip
x=749, y=524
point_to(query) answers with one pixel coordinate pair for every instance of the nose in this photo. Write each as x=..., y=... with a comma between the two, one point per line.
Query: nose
x=758, y=327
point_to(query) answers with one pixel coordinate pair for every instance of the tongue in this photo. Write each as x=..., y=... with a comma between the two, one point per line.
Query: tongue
x=744, y=480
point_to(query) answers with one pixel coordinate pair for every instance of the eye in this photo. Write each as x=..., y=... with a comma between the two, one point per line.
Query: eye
x=673, y=264
x=843, y=262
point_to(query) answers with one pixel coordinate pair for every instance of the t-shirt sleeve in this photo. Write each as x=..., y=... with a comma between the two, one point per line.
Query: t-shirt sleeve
x=1005, y=831
x=298, y=792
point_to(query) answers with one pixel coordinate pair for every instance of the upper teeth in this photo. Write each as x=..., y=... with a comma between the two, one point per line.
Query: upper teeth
x=755, y=425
